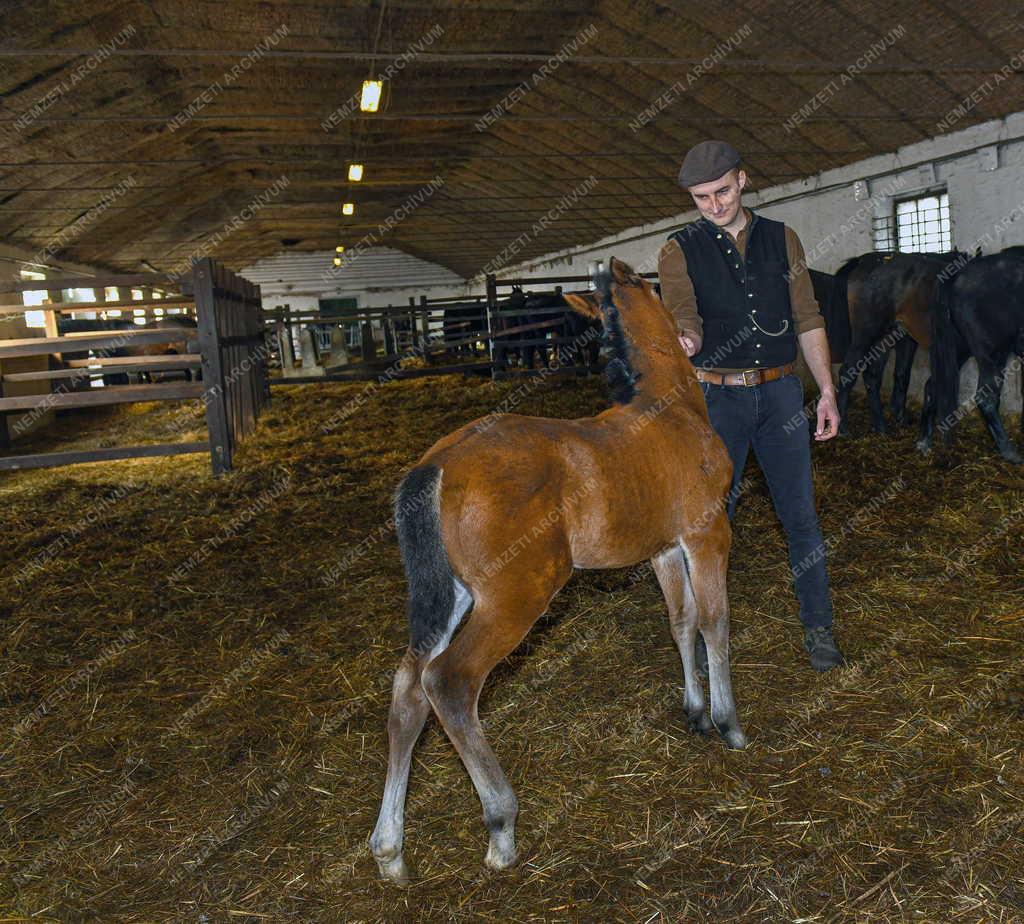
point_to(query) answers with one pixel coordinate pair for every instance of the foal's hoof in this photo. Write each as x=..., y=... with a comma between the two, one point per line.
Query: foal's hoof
x=1013, y=456
x=700, y=724
x=735, y=739
x=923, y=446
x=498, y=859
x=394, y=870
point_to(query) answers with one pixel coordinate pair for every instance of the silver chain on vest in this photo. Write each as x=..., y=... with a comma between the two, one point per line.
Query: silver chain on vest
x=785, y=327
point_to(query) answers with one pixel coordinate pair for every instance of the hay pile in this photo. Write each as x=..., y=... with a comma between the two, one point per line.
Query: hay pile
x=196, y=673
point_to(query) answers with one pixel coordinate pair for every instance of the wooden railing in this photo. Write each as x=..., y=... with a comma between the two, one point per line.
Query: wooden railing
x=231, y=359
x=422, y=329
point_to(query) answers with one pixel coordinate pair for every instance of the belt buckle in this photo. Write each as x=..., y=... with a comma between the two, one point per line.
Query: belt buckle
x=747, y=372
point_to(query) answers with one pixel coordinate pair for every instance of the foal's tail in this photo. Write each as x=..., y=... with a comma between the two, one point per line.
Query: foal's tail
x=431, y=581
x=837, y=313
x=943, y=355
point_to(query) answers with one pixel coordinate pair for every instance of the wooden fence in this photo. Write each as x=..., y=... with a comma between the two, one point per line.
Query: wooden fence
x=234, y=354
x=232, y=360
x=422, y=330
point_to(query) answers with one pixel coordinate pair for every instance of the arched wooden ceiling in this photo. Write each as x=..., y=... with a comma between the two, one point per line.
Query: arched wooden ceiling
x=91, y=89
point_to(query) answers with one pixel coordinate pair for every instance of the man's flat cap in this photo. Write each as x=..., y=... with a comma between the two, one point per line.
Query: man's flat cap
x=707, y=161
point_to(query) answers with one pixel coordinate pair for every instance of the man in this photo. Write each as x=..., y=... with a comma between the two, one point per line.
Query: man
x=738, y=287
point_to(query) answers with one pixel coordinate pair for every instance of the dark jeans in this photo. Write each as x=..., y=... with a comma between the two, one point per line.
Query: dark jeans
x=769, y=416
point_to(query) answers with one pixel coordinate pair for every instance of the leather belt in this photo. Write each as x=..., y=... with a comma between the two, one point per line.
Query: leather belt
x=746, y=377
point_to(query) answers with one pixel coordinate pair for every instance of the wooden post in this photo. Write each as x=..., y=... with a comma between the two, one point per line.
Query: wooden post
x=425, y=321
x=50, y=320
x=368, y=347
x=124, y=294
x=390, y=341
x=263, y=345
x=147, y=296
x=497, y=353
x=213, y=372
x=288, y=333
x=413, y=334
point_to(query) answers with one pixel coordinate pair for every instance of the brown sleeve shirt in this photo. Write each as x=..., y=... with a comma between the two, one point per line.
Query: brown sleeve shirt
x=679, y=297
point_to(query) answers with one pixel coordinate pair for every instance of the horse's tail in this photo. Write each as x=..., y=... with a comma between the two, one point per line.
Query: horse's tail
x=431, y=581
x=837, y=313
x=942, y=355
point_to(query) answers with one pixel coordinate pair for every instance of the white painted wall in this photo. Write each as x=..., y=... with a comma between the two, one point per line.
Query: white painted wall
x=377, y=277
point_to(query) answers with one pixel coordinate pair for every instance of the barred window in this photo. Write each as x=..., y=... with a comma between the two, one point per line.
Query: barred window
x=917, y=225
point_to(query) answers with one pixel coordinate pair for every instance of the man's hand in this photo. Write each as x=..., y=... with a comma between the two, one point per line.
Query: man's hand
x=814, y=346
x=828, y=416
x=690, y=343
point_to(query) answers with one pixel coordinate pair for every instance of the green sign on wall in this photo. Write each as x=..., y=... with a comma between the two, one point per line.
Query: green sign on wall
x=332, y=307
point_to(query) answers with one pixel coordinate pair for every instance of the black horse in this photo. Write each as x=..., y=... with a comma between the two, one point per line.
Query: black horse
x=462, y=322
x=557, y=335
x=977, y=311
x=508, y=314
x=822, y=283
x=84, y=325
x=585, y=340
x=886, y=298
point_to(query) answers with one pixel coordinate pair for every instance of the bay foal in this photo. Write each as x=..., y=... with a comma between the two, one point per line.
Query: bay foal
x=496, y=515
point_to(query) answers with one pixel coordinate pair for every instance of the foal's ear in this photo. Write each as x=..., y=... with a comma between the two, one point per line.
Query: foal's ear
x=584, y=303
x=623, y=273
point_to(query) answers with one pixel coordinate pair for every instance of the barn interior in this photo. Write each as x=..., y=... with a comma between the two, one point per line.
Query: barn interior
x=197, y=669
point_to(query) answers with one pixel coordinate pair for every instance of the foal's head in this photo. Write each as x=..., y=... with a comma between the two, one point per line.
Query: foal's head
x=639, y=330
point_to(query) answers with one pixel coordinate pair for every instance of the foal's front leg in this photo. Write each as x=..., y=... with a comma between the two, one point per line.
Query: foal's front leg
x=670, y=569
x=707, y=559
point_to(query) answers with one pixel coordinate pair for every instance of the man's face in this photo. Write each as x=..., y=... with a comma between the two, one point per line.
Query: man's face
x=719, y=200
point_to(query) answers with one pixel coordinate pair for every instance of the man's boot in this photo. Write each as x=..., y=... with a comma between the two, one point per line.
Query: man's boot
x=822, y=648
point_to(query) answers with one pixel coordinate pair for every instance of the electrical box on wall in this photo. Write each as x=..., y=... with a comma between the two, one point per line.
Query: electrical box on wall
x=988, y=157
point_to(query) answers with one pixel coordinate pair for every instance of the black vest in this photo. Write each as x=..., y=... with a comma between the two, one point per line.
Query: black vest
x=743, y=303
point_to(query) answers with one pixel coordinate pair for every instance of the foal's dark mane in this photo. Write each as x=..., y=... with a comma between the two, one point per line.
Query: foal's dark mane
x=620, y=373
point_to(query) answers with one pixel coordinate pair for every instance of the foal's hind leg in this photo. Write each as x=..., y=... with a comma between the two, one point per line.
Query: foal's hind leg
x=453, y=681
x=409, y=711
x=708, y=559
x=670, y=569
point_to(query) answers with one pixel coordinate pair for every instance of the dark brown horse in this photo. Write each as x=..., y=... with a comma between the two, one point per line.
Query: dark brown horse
x=888, y=298
x=977, y=311
x=493, y=520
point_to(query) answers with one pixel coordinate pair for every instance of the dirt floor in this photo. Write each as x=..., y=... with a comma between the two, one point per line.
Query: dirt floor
x=195, y=678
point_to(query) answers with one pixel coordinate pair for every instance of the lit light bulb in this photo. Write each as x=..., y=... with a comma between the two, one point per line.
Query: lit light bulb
x=370, y=100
